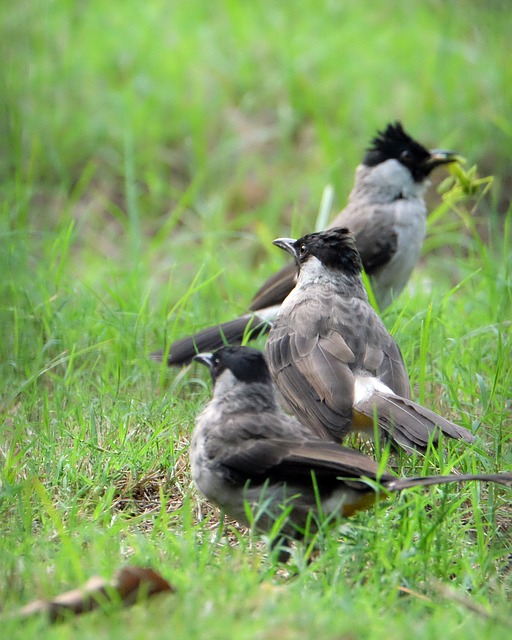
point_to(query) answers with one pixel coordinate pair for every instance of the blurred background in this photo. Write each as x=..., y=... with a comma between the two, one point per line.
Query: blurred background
x=158, y=133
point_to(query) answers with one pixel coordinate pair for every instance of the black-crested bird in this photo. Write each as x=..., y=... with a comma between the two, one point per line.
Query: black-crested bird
x=387, y=213
x=332, y=358
x=248, y=457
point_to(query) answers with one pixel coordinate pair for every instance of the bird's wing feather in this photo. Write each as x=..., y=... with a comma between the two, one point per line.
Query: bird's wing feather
x=310, y=365
x=392, y=371
x=317, y=346
x=376, y=352
x=293, y=461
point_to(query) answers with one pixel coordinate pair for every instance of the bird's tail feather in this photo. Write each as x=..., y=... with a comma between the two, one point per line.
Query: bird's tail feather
x=182, y=351
x=409, y=424
x=407, y=483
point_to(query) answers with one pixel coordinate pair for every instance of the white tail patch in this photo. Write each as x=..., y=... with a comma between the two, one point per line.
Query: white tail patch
x=366, y=386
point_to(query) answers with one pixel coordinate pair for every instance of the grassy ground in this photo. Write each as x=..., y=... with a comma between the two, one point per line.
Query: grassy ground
x=150, y=154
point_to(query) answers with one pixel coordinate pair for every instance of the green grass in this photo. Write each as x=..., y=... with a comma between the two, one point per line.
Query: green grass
x=150, y=155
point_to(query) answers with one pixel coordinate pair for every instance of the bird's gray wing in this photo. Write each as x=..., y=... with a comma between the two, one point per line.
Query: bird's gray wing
x=354, y=333
x=310, y=364
x=275, y=289
x=374, y=230
x=391, y=371
x=334, y=471
x=292, y=461
x=308, y=472
x=317, y=347
x=376, y=351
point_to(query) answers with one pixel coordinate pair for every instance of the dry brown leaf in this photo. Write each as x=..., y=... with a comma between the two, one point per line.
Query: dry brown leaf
x=129, y=584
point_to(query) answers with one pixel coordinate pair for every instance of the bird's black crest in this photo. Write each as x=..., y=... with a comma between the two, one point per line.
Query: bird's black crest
x=245, y=363
x=395, y=143
x=335, y=248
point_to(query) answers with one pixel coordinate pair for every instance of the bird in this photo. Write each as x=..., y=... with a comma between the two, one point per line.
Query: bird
x=261, y=466
x=387, y=213
x=332, y=358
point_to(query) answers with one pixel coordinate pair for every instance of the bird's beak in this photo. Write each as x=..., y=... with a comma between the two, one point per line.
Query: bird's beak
x=204, y=358
x=288, y=244
x=441, y=156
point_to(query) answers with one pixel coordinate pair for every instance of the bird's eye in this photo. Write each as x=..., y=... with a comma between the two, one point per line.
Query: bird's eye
x=303, y=249
x=405, y=155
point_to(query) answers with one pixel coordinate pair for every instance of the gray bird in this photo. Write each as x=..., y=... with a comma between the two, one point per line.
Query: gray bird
x=387, y=213
x=332, y=358
x=259, y=465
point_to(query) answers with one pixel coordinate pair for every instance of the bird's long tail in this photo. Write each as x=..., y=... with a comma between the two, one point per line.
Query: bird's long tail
x=407, y=483
x=182, y=351
x=409, y=424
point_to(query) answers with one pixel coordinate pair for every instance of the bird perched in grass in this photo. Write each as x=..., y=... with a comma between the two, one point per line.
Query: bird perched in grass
x=259, y=465
x=332, y=358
